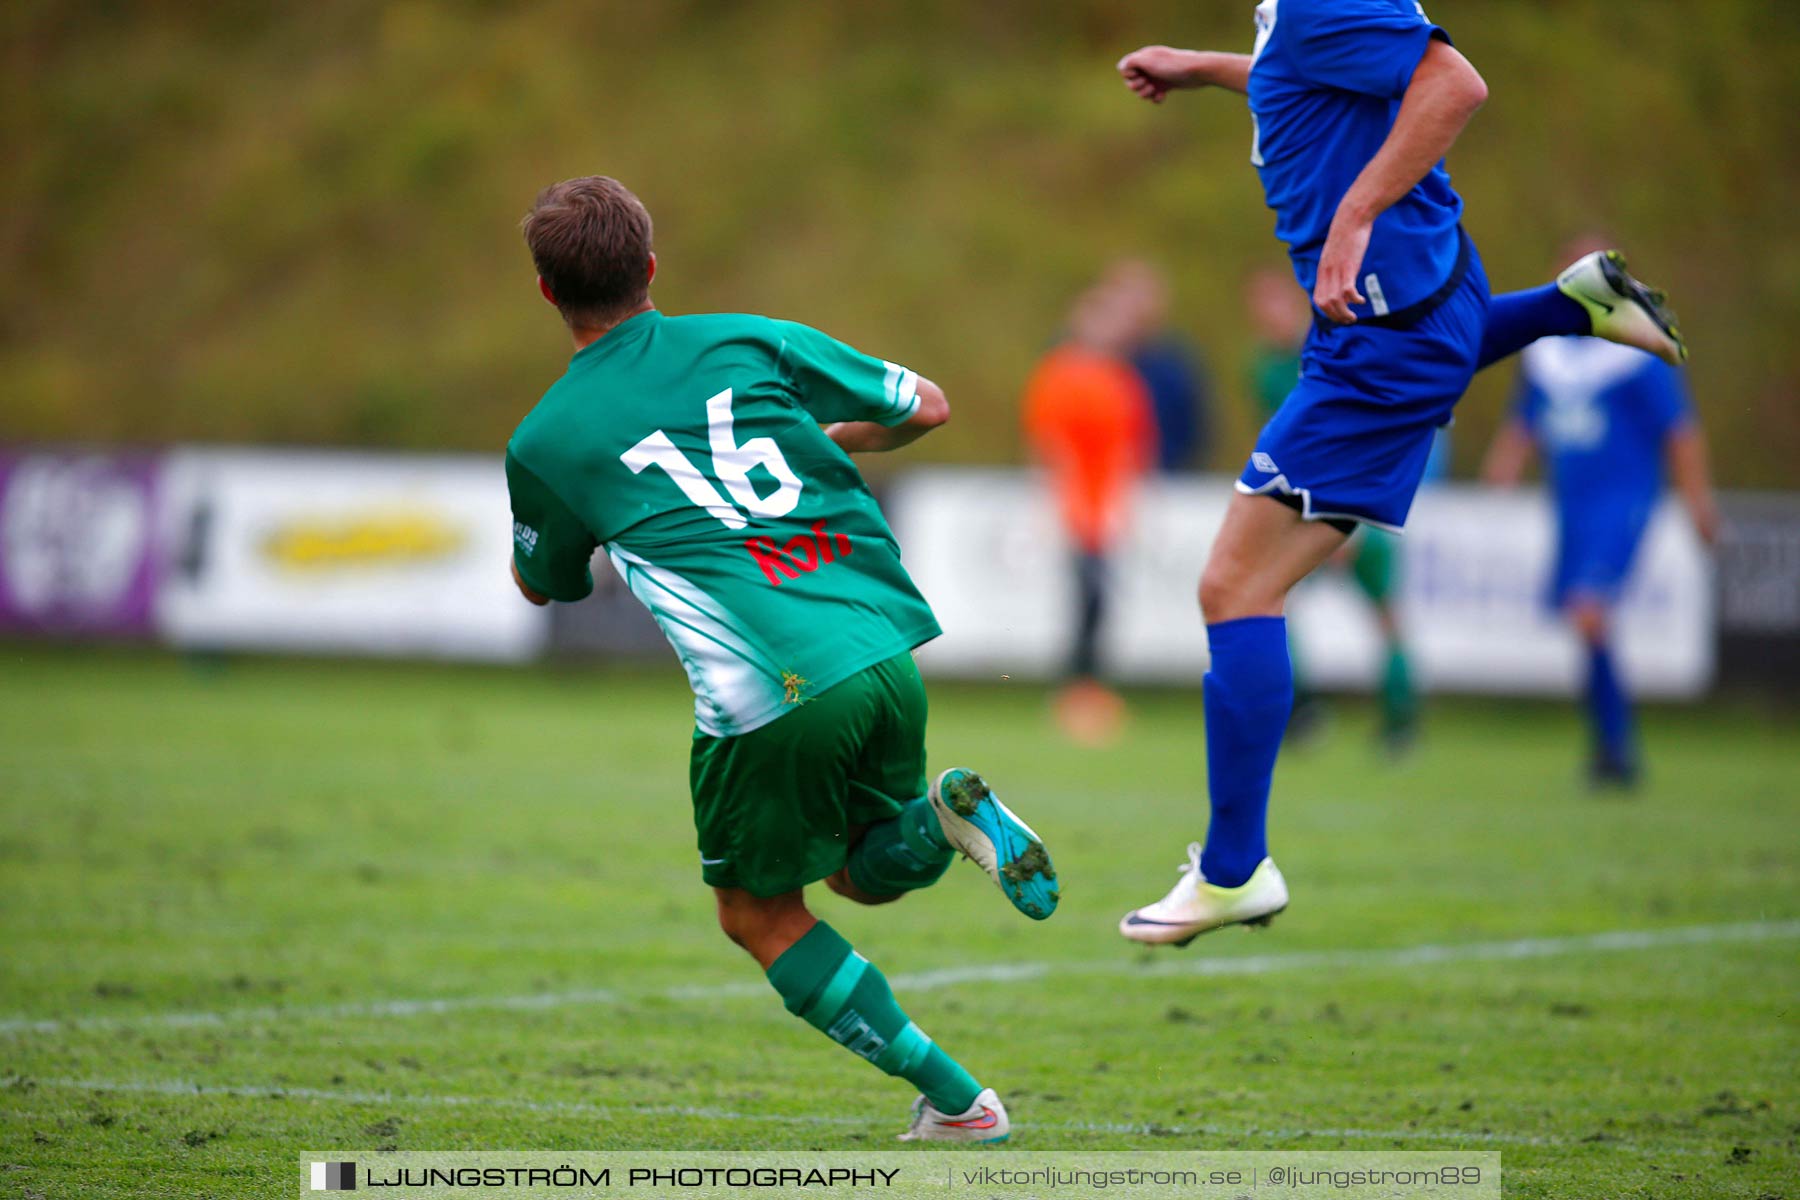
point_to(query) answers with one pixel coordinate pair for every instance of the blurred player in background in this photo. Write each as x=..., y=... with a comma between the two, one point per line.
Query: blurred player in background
x=1088, y=421
x=1371, y=558
x=1353, y=105
x=1173, y=370
x=691, y=448
x=1608, y=420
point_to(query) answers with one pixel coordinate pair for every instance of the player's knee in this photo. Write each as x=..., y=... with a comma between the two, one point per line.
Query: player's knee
x=764, y=926
x=737, y=925
x=1221, y=593
x=1388, y=621
x=1589, y=621
x=842, y=885
x=746, y=919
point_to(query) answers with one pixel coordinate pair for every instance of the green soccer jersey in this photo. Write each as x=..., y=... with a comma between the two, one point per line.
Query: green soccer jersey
x=691, y=449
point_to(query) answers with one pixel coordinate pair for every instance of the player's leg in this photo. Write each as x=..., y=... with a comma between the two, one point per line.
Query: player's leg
x=1088, y=711
x=1310, y=714
x=1349, y=445
x=773, y=809
x=844, y=885
x=763, y=926
x=1593, y=295
x=1517, y=319
x=1375, y=568
x=1263, y=549
x=894, y=856
x=1596, y=545
x=957, y=813
x=822, y=980
x=1090, y=612
x=1610, y=720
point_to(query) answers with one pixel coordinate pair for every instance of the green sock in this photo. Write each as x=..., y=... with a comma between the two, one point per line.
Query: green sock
x=1399, y=703
x=1303, y=693
x=902, y=854
x=837, y=991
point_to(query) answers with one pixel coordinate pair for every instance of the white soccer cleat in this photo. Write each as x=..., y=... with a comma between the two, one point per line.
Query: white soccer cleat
x=984, y=1122
x=991, y=836
x=1194, y=906
x=1622, y=309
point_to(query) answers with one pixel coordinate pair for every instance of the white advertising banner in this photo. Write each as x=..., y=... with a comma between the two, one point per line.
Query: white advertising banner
x=987, y=550
x=342, y=552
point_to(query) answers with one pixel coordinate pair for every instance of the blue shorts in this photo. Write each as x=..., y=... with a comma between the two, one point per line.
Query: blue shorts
x=1353, y=438
x=1595, y=547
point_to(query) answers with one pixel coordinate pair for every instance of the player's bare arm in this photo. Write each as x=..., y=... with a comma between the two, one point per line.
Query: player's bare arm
x=1155, y=71
x=525, y=589
x=870, y=437
x=1509, y=455
x=1689, y=472
x=1446, y=91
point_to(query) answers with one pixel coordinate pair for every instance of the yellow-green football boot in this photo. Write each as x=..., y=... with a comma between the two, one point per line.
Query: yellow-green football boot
x=1622, y=309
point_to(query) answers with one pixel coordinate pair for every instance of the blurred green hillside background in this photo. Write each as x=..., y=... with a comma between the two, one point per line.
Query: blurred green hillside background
x=297, y=223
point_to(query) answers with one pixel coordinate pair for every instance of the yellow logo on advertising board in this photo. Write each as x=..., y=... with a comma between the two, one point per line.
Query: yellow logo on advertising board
x=373, y=539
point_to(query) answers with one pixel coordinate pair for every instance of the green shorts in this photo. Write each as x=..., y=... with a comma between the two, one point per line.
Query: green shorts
x=775, y=807
x=1375, y=564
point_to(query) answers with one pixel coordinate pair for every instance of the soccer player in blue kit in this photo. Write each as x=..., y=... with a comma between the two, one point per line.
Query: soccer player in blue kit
x=1353, y=104
x=1611, y=422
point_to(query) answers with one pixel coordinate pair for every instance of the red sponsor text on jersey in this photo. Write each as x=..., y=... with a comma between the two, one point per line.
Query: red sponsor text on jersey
x=800, y=554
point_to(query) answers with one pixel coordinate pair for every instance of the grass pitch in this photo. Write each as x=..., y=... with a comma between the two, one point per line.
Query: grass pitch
x=252, y=908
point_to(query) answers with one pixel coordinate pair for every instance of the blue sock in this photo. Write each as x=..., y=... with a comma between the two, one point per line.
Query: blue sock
x=1249, y=695
x=1517, y=319
x=1609, y=709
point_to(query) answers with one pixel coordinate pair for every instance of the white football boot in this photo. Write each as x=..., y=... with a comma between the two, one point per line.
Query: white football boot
x=991, y=836
x=984, y=1122
x=1194, y=906
x=1622, y=309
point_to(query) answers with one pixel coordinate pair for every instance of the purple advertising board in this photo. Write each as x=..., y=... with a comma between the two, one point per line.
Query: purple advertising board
x=78, y=542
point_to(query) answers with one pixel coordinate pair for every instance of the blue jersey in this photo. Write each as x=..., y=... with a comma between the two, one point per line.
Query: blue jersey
x=1602, y=415
x=1324, y=90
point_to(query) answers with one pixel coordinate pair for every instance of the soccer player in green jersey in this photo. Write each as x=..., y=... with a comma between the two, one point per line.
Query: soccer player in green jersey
x=710, y=457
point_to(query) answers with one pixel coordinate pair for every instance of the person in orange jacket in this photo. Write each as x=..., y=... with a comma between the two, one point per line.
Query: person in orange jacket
x=1089, y=422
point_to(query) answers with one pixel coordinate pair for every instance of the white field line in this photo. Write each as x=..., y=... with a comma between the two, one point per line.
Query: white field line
x=1165, y=967
x=604, y=1112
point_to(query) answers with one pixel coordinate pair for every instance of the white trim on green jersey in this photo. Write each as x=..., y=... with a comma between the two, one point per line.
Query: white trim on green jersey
x=901, y=387
x=737, y=683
